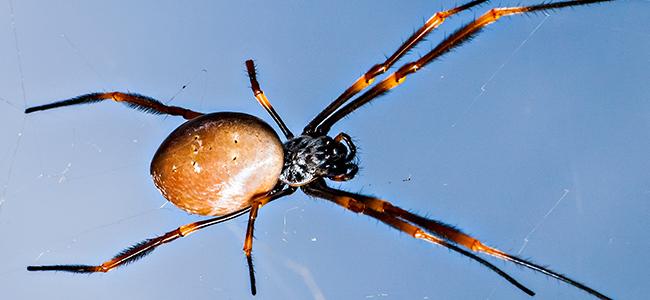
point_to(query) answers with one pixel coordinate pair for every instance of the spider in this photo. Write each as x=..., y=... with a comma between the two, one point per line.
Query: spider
x=227, y=164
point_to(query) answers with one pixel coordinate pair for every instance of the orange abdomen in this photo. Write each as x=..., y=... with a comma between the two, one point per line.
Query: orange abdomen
x=216, y=163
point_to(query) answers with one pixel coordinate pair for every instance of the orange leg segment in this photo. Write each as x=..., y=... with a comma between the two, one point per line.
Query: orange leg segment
x=368, y=78
x=464, y=34
x=261, y=98
x=139, y=102
x=141, y=249
x=432, y=231
x=248, y=241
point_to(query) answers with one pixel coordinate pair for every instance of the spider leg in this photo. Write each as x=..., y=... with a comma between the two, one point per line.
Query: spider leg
x=464, y=34
x=261, y=98
x=352, y=149
x=136, y=101
x=432, y=231
x=141, y=249
x=367, y=79
x=248, y=241
x=248, y=245
x=458, y=237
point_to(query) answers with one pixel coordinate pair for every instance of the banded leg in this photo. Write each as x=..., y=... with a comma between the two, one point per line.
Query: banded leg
x=141, y=249
x=248, y=245
x=136, y=101
x=367, y=79
x=261, y=98
x=350, y=201
x=464, y=34
x=248, y=241
x=455, y=235
x=432, y=231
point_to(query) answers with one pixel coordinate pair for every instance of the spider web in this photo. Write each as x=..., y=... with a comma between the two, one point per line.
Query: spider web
x=75, y=186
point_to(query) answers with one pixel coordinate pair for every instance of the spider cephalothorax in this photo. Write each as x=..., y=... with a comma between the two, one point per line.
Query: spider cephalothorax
x=307, y=158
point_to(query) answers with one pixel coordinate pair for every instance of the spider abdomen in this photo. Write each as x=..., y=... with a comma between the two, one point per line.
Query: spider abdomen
x=216, y=163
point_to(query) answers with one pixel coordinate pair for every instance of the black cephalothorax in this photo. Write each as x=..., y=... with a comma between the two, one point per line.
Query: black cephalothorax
x=307, y=158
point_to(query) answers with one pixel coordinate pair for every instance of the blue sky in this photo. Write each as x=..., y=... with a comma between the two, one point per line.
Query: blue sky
x=533, y=137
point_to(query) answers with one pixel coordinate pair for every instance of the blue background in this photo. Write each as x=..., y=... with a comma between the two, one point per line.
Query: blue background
x=489, y=138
